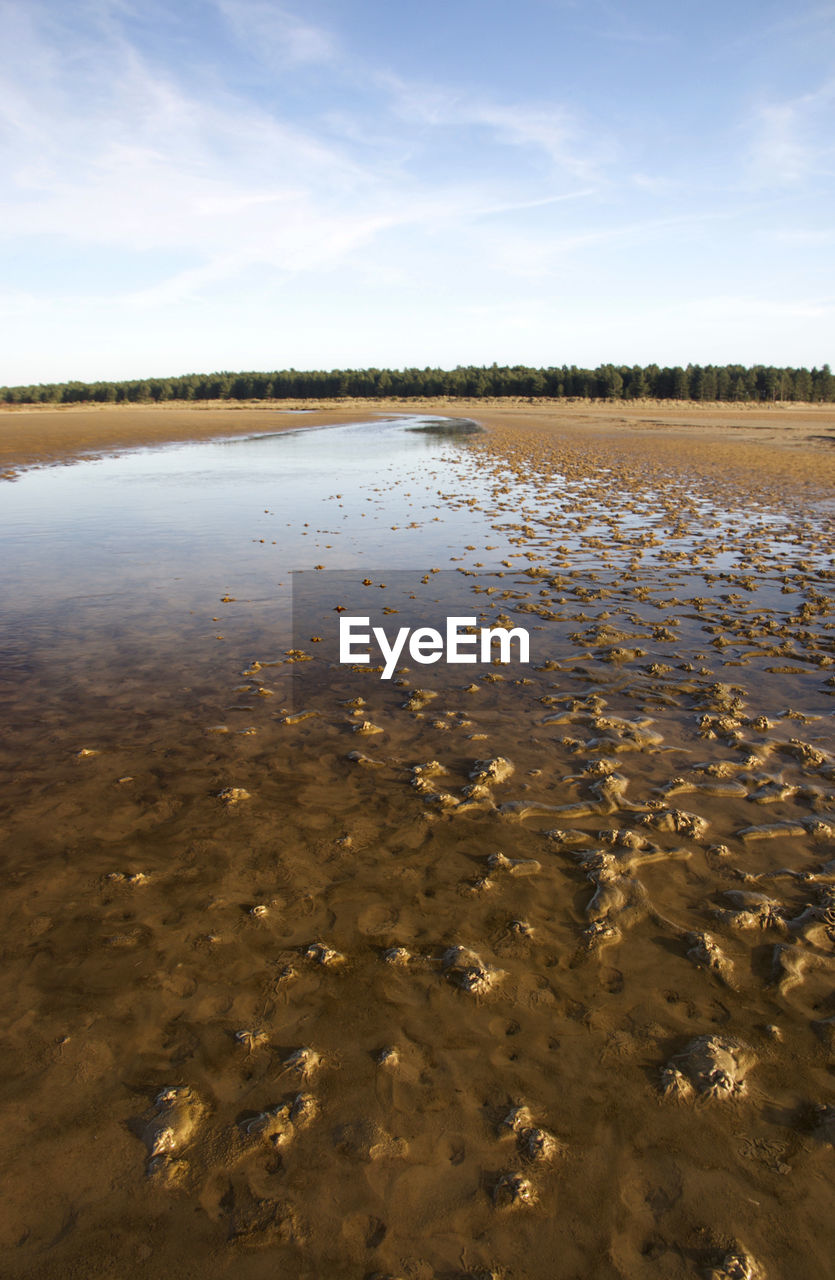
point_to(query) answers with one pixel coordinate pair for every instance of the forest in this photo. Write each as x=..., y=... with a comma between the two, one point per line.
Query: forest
x=730, y=382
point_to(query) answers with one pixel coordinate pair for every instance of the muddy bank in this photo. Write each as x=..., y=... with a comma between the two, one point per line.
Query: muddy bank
x=35, y=435
x=519, y=973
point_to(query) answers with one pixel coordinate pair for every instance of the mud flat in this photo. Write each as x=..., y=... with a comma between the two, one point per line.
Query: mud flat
x=32, y=435
x=36, y=435
x=531, y=976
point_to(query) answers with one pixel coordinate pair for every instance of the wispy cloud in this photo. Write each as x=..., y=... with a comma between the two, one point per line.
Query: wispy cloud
x=160, y=174
x=548, y=253
x=792, y=141
x=275, y=34
x=810, y=24
x=520, y=206
x=549, y=129
x=145, y=163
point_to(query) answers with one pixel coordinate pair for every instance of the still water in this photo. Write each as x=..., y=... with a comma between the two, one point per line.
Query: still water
x=232, y=514
x=117, y=567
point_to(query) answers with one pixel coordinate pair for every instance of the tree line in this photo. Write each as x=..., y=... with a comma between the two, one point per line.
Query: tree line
x=732, y=382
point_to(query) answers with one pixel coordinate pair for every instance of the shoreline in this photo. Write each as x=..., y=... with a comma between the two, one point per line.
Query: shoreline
x=35, y=435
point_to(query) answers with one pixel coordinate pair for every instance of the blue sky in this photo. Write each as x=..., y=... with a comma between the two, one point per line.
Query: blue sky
x=243, y=184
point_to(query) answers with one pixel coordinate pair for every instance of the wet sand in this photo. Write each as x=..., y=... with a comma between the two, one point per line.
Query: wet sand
x=33, y=435
x=534, y=980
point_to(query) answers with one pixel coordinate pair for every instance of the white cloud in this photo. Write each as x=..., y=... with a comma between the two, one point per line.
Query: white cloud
x=397, y=220
x=141, y=163
x=788, y=146
x=275, y=35
x=549, y=129
x=812, y=24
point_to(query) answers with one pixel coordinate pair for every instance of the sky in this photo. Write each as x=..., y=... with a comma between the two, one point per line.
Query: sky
x=198, y=185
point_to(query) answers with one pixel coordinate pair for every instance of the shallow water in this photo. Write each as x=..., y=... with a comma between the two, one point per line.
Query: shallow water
x=222, y=847
x=119, y=564
x=199, y=513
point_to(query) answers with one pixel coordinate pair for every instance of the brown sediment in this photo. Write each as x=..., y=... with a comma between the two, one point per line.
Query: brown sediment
x=497, y=1005
x=744, y=435
x=34, y=435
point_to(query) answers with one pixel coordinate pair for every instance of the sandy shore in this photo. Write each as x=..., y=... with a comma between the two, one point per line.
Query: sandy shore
x=36, y=436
